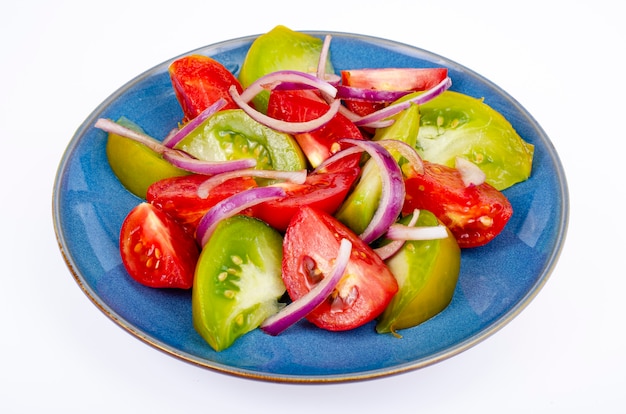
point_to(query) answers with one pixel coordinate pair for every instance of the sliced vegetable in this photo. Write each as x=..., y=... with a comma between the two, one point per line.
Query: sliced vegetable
x=179, y=196
x=401, y=104
x=175, y=137
x=298, y=309
x=288, y=79
x=237, y=283
x=197, y=166
x=232, y=135
x=309, y=251
x=475, y=214
x=199, y=81
x=455, y=125
x=136, y=165
x=387, y=250
x=280, y=49
x=156, y=251
x=231, y=206
x=283, y=126
x=206, y=188
x=324, y=190
x=321, y=143
x=392, y=190
x=427, y=272
x=385, y=85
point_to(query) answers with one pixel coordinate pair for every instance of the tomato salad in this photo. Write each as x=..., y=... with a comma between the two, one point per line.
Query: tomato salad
x=291, y=192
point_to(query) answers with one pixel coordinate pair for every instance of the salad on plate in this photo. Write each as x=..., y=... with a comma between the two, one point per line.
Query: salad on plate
x=293, y=192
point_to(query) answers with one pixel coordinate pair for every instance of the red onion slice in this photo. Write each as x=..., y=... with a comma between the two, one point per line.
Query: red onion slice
x=402, y=232
x=171, y=140
x=391, y=248
x=470, y=172
x=369, y=95
x=297, y=177
x=352, y=116
x=234, y=205
x=185, y=162
x=415, y=161
x=292, y=77
x=113, y=127
x=302, y=306
x=393, y=109
x=336, y=156
x=393, y=190
x=284, y=126
x=321, y=64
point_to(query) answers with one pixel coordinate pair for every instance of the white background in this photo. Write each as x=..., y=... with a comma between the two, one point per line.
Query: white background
x=563, y=61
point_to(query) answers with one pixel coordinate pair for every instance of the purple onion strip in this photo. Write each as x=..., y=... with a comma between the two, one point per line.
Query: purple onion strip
x=234, y=205
x=302, y=306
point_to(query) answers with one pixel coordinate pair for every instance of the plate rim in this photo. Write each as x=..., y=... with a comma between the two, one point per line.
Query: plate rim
x=457, y=348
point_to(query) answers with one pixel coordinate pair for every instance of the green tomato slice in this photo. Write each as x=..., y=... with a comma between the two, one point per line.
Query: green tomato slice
x=238, y=281
x=427, y=272
x=359, y=207
x=280, y=49
x=135, y=165
x=357, y=210
x=404, y=128
x=232, y=134
x=455, y=124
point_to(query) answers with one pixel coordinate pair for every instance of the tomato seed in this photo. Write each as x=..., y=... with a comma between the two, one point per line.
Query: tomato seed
x=138, y=247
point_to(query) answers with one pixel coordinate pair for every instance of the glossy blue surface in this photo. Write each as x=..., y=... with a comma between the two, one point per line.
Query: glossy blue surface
x=496, y=281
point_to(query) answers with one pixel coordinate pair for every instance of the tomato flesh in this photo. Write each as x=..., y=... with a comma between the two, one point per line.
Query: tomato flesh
x=237, y=283
x=322, y=190
x=199, y=81
x=310, y=246
x=178, y=196
x=389, y=79
x=156, y=251
x=302, y=106
x=474, y=214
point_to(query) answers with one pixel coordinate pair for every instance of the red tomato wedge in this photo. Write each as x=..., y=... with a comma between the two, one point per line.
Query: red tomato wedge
x=322, y=190
x=178, y=196
x=309, y=248
x=389, y=79
x=199, y=81
x=156, y=251
x=474, y=214
x=302, y=106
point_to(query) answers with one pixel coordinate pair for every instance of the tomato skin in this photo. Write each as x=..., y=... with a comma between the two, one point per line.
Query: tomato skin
x=474, y=214
x=178, y=196
x=389, y=79
x=135, y=165
x=280, y=49
x=232, y=134
x=322, y=190
x=427, y=272
x=302, y=106
x=156, y=251
x=455, y=124
x=199, y=81
x=310, y=244
x=237, y=283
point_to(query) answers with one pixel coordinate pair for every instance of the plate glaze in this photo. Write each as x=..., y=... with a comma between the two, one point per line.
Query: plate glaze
x=497, y=281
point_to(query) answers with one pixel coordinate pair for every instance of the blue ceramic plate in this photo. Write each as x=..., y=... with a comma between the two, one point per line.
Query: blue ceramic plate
x=496, y=282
